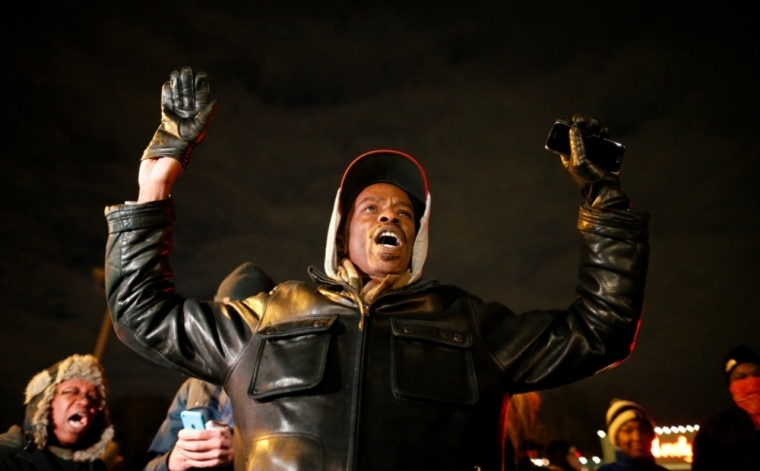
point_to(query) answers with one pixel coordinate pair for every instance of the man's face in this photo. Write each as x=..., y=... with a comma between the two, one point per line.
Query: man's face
x=635, y=439
x=744, y=370
x=73, y=410
x=381, y=230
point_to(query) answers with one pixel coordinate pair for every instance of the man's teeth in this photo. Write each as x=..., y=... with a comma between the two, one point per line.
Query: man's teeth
x=388, y=239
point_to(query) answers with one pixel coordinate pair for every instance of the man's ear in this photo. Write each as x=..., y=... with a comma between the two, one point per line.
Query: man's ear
x=340, y=244
x=341, y=239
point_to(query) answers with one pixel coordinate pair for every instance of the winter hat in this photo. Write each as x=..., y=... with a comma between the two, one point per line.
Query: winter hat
x=737, y=356
x=39, y=395
x=382, y=166
x=620, y=412
x=245, y=281
x=385, y=166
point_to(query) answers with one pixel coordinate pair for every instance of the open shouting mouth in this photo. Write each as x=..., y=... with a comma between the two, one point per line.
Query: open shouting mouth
x=389, y=238
x=78, y=421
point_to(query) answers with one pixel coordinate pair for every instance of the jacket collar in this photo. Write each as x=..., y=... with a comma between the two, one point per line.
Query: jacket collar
x=321, y=278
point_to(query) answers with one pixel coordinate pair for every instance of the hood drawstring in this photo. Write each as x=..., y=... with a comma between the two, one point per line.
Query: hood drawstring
x=373, y=288
x=366, y=294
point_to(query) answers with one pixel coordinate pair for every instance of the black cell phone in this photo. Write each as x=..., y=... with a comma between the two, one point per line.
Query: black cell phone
x=603, y=152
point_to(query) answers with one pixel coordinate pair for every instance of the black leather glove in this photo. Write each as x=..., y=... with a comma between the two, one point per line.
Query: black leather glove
x=599, y=187
x=185, y=116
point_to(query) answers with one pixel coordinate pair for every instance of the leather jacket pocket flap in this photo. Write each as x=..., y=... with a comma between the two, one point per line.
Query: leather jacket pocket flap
x=292, y=356
x=432, y=362
x=301, y=326
x=431, y=332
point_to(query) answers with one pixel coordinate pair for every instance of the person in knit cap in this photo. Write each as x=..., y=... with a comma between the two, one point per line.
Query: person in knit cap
x=731, y=440
x=631, y=430
x=66, y=426
x=175, y=449
x=372, y=366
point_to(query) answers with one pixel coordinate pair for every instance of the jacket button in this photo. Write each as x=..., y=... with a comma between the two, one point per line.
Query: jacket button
x=408, y=330
x=319, y=323
x=458, y=337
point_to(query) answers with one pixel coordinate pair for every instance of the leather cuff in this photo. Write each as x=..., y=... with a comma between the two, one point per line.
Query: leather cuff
x=614, y=223
x=129, y=217
x=165, y=144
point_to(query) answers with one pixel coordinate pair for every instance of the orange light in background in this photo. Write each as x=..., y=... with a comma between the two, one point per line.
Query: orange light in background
x=681, y=448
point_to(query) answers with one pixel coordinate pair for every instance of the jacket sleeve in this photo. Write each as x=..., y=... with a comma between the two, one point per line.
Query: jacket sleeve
x=544, y=349
x=201, y=339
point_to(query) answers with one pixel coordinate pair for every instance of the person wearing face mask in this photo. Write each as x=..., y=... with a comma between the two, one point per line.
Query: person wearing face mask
x=631, y=430
x=731, y=440
x=66, y=426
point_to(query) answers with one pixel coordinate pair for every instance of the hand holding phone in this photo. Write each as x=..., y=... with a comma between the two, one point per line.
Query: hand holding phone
x=202, y=444
x=605, y=153
x=192, y=420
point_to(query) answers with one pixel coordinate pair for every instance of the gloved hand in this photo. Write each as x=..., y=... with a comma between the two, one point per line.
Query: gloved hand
x=185, y=116
x=599, y=187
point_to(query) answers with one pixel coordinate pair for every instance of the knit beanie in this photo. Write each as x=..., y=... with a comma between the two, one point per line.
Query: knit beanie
x=620, y=412
x=39, y=395
x=245, y=281
x=737, y=356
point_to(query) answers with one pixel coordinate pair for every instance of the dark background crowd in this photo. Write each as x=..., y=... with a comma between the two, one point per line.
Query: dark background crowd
x=469, y=88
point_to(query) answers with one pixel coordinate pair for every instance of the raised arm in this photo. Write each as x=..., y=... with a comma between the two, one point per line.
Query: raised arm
x=201, y=339
x=545, y=349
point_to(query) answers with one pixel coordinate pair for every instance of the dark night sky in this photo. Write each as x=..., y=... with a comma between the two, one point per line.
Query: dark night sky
x=469, y=88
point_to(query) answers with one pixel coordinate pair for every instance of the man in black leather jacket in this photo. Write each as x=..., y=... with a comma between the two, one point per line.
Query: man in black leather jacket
x=376, y=368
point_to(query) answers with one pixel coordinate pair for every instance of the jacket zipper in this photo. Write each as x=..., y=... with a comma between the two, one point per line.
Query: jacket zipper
x=363, y=325
x=358, y=384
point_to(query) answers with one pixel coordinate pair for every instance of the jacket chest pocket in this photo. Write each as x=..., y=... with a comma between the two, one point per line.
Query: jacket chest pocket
x=292, y=356
x=432, y=361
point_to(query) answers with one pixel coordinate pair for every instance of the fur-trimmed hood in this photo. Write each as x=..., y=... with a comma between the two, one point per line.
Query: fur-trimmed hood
x=39, y=395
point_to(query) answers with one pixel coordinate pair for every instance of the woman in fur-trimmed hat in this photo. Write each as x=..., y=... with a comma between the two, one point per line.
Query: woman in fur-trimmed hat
x=66, y=426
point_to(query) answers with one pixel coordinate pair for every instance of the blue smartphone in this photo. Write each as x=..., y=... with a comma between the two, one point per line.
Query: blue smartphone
x=192, y=420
